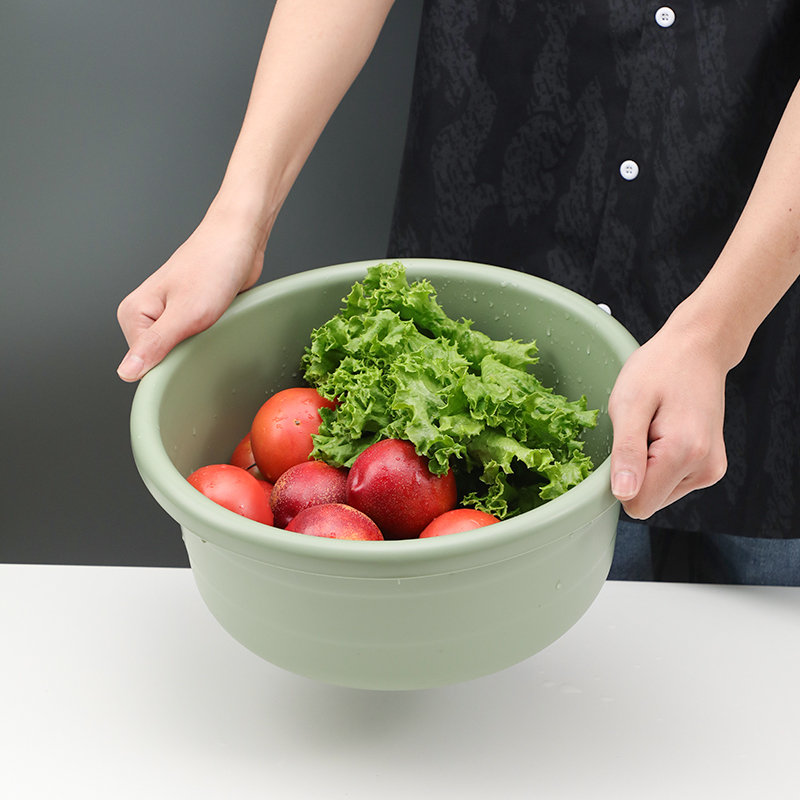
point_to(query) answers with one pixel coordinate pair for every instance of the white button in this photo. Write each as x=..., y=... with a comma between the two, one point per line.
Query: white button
x=604, y=307
x=665, y=16
x=629, y=170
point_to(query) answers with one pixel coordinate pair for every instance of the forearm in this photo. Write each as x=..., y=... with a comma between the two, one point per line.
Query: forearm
x=668, y=403
x=761, y=259
x=313, y=51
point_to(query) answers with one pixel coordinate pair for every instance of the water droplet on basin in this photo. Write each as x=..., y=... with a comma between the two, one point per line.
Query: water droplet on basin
x=558, y=585
x=568, y=688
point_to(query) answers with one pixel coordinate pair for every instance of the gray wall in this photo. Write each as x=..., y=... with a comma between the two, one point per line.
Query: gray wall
x=117, y=123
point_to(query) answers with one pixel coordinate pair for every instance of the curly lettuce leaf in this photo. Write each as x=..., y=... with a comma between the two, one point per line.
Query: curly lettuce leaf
x=401, y=368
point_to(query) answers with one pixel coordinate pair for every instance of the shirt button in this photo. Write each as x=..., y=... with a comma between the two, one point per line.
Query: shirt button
x=629, y=170
x=665, y=16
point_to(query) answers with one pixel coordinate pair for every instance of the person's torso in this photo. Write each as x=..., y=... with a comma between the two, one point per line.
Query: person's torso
x=610, y=146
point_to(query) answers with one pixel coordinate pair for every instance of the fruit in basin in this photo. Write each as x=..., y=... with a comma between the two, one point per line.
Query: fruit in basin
x=393, y=486
x=233, y=488
x=243, y=457
x=311, y=483
x=457, y=521
x=282, y=429
x=335, y=521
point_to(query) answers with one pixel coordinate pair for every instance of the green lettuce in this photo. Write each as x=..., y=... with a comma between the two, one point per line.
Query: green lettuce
x=401, y=368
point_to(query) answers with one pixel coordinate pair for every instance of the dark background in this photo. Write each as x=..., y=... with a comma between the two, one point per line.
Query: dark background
x=117, y=123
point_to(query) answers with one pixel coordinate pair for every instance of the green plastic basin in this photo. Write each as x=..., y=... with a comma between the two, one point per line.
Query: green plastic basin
x=395, y=614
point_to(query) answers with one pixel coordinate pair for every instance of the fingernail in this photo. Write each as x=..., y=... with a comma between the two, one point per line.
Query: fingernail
x=131, y=368
x=623, y=485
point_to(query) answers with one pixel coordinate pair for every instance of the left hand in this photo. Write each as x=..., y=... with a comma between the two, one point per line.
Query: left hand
x=667, y=409
x=668, y=403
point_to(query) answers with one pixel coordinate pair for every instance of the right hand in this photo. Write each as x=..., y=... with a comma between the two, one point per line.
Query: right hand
x=189, y=293
x=311, y=55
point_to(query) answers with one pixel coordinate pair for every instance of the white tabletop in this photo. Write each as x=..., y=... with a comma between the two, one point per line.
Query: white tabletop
x=117, y=683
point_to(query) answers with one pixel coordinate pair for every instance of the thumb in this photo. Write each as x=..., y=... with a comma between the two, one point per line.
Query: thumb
x=149, y=348
x=629, y=452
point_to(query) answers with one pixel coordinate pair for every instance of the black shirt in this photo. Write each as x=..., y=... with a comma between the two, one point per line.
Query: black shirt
x=610, y=146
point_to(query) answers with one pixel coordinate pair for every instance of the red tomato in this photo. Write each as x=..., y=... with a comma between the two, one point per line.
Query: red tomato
x=235, y=489
x=393, y=486
x=281, y=431
x=458, y=520
x=243, y=457
x=267, y=487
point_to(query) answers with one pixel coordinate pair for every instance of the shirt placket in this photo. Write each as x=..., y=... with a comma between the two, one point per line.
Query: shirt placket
x=616, y=279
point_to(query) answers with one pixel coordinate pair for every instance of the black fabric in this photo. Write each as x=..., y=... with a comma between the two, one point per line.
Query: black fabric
x=521, y=115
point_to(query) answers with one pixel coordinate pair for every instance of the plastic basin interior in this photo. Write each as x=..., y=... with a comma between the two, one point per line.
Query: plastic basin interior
x=396, y=614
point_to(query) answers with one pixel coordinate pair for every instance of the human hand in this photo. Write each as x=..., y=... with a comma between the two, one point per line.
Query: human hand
x=189, y=293
x=312, y=53
x=667, y=410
